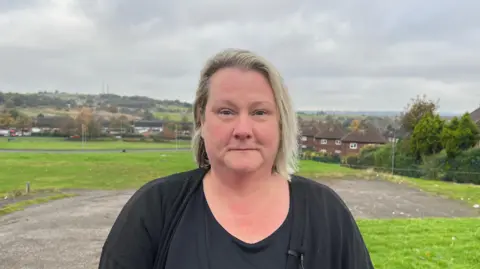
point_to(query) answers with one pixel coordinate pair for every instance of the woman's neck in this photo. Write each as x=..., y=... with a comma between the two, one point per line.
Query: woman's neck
x=244, y=185
x=244, y=194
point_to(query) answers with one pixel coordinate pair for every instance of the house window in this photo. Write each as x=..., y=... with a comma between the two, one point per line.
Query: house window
x=323, y=141
x=338, y=151
x=323, y=150
x=304, y=138
x=338, y=142
x=304, y=146
x=353, y=145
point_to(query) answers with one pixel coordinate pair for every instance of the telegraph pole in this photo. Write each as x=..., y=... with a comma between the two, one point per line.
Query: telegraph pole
x=176, y=137
x=393, y=150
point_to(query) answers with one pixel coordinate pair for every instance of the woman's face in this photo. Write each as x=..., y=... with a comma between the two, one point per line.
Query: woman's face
x=241, y=124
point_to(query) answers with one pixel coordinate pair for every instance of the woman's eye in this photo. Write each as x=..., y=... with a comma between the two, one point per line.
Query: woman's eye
x=225, y=112
x=260, y=112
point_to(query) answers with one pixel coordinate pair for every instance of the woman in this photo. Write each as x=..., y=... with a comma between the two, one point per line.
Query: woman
x=242, y=208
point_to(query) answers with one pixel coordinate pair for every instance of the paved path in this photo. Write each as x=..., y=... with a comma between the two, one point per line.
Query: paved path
x=69, y=233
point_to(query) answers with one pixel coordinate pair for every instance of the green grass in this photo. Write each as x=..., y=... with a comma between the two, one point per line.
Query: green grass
x=173, y=116
x=313, y=169
x=88, y=170
x=60, y=143
x=423, y=243
x=131, y=170
x=21, y=205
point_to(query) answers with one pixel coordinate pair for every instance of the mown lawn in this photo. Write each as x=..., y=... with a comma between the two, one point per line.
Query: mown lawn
x=88, y=170
x=423, y=243
x=60, y=143
x=131, y=170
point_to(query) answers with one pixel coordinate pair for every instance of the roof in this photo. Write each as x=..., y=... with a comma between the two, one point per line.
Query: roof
x=310, y=128
x=51, y=122
x=331, y=131
x=475, y=115
x=148, y=123
x=370, y=135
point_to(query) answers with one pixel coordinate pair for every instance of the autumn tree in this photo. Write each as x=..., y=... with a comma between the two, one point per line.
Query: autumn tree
x=426, y=137
x=22, y=122
x=415, y=111
x=6, y=120
x=354, y=125
x=86, y=119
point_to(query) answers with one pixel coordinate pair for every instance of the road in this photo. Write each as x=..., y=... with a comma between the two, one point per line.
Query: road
x=69, y=233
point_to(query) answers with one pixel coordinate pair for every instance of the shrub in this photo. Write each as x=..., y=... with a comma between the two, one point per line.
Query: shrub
x=465, y=168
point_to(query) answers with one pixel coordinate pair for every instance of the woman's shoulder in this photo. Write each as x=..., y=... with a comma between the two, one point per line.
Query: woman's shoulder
x=166, y=188
x=143, y=220
x=318, y=194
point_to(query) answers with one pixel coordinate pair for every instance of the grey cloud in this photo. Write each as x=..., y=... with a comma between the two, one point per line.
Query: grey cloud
x=343, y=54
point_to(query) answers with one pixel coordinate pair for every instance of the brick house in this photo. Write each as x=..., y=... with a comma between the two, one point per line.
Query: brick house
x=329, y=139
x=308, y=130
x=355, y=140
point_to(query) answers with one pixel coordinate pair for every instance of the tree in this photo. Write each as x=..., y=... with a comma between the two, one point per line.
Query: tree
x=184, y=118
x=120, y=123
x=426, y=137
x=113, y=109
x=354, y=125
x=23, y=121
x=415, y=111
x=9, y=103
x=6, y=120
x=86, y=119
x=460, y=135
x=14, y=113
x=147, y=115
x=449, y=138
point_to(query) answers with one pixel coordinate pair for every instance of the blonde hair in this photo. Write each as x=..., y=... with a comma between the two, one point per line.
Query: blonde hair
x=286, y=161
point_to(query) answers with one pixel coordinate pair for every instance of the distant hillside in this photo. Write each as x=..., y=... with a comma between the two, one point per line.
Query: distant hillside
x=59, y=103
x=365, y=113
x=59, y=99
x=141, y=107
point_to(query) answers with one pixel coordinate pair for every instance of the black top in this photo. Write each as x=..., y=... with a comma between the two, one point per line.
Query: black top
x=209, y=246
x=166, y=224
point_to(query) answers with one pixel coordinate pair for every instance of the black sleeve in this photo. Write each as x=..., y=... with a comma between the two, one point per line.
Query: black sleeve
x=130, y=244
x=354, y=252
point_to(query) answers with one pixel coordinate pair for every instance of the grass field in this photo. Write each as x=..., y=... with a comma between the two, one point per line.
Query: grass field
x=423, y=243
x=409, y=243
x=60, y=143
x=131, y=170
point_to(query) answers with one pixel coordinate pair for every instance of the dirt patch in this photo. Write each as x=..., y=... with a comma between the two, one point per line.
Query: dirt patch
x=70, y=233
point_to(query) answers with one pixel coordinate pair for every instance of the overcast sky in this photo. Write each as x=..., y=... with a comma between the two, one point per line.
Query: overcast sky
x=350, y=55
